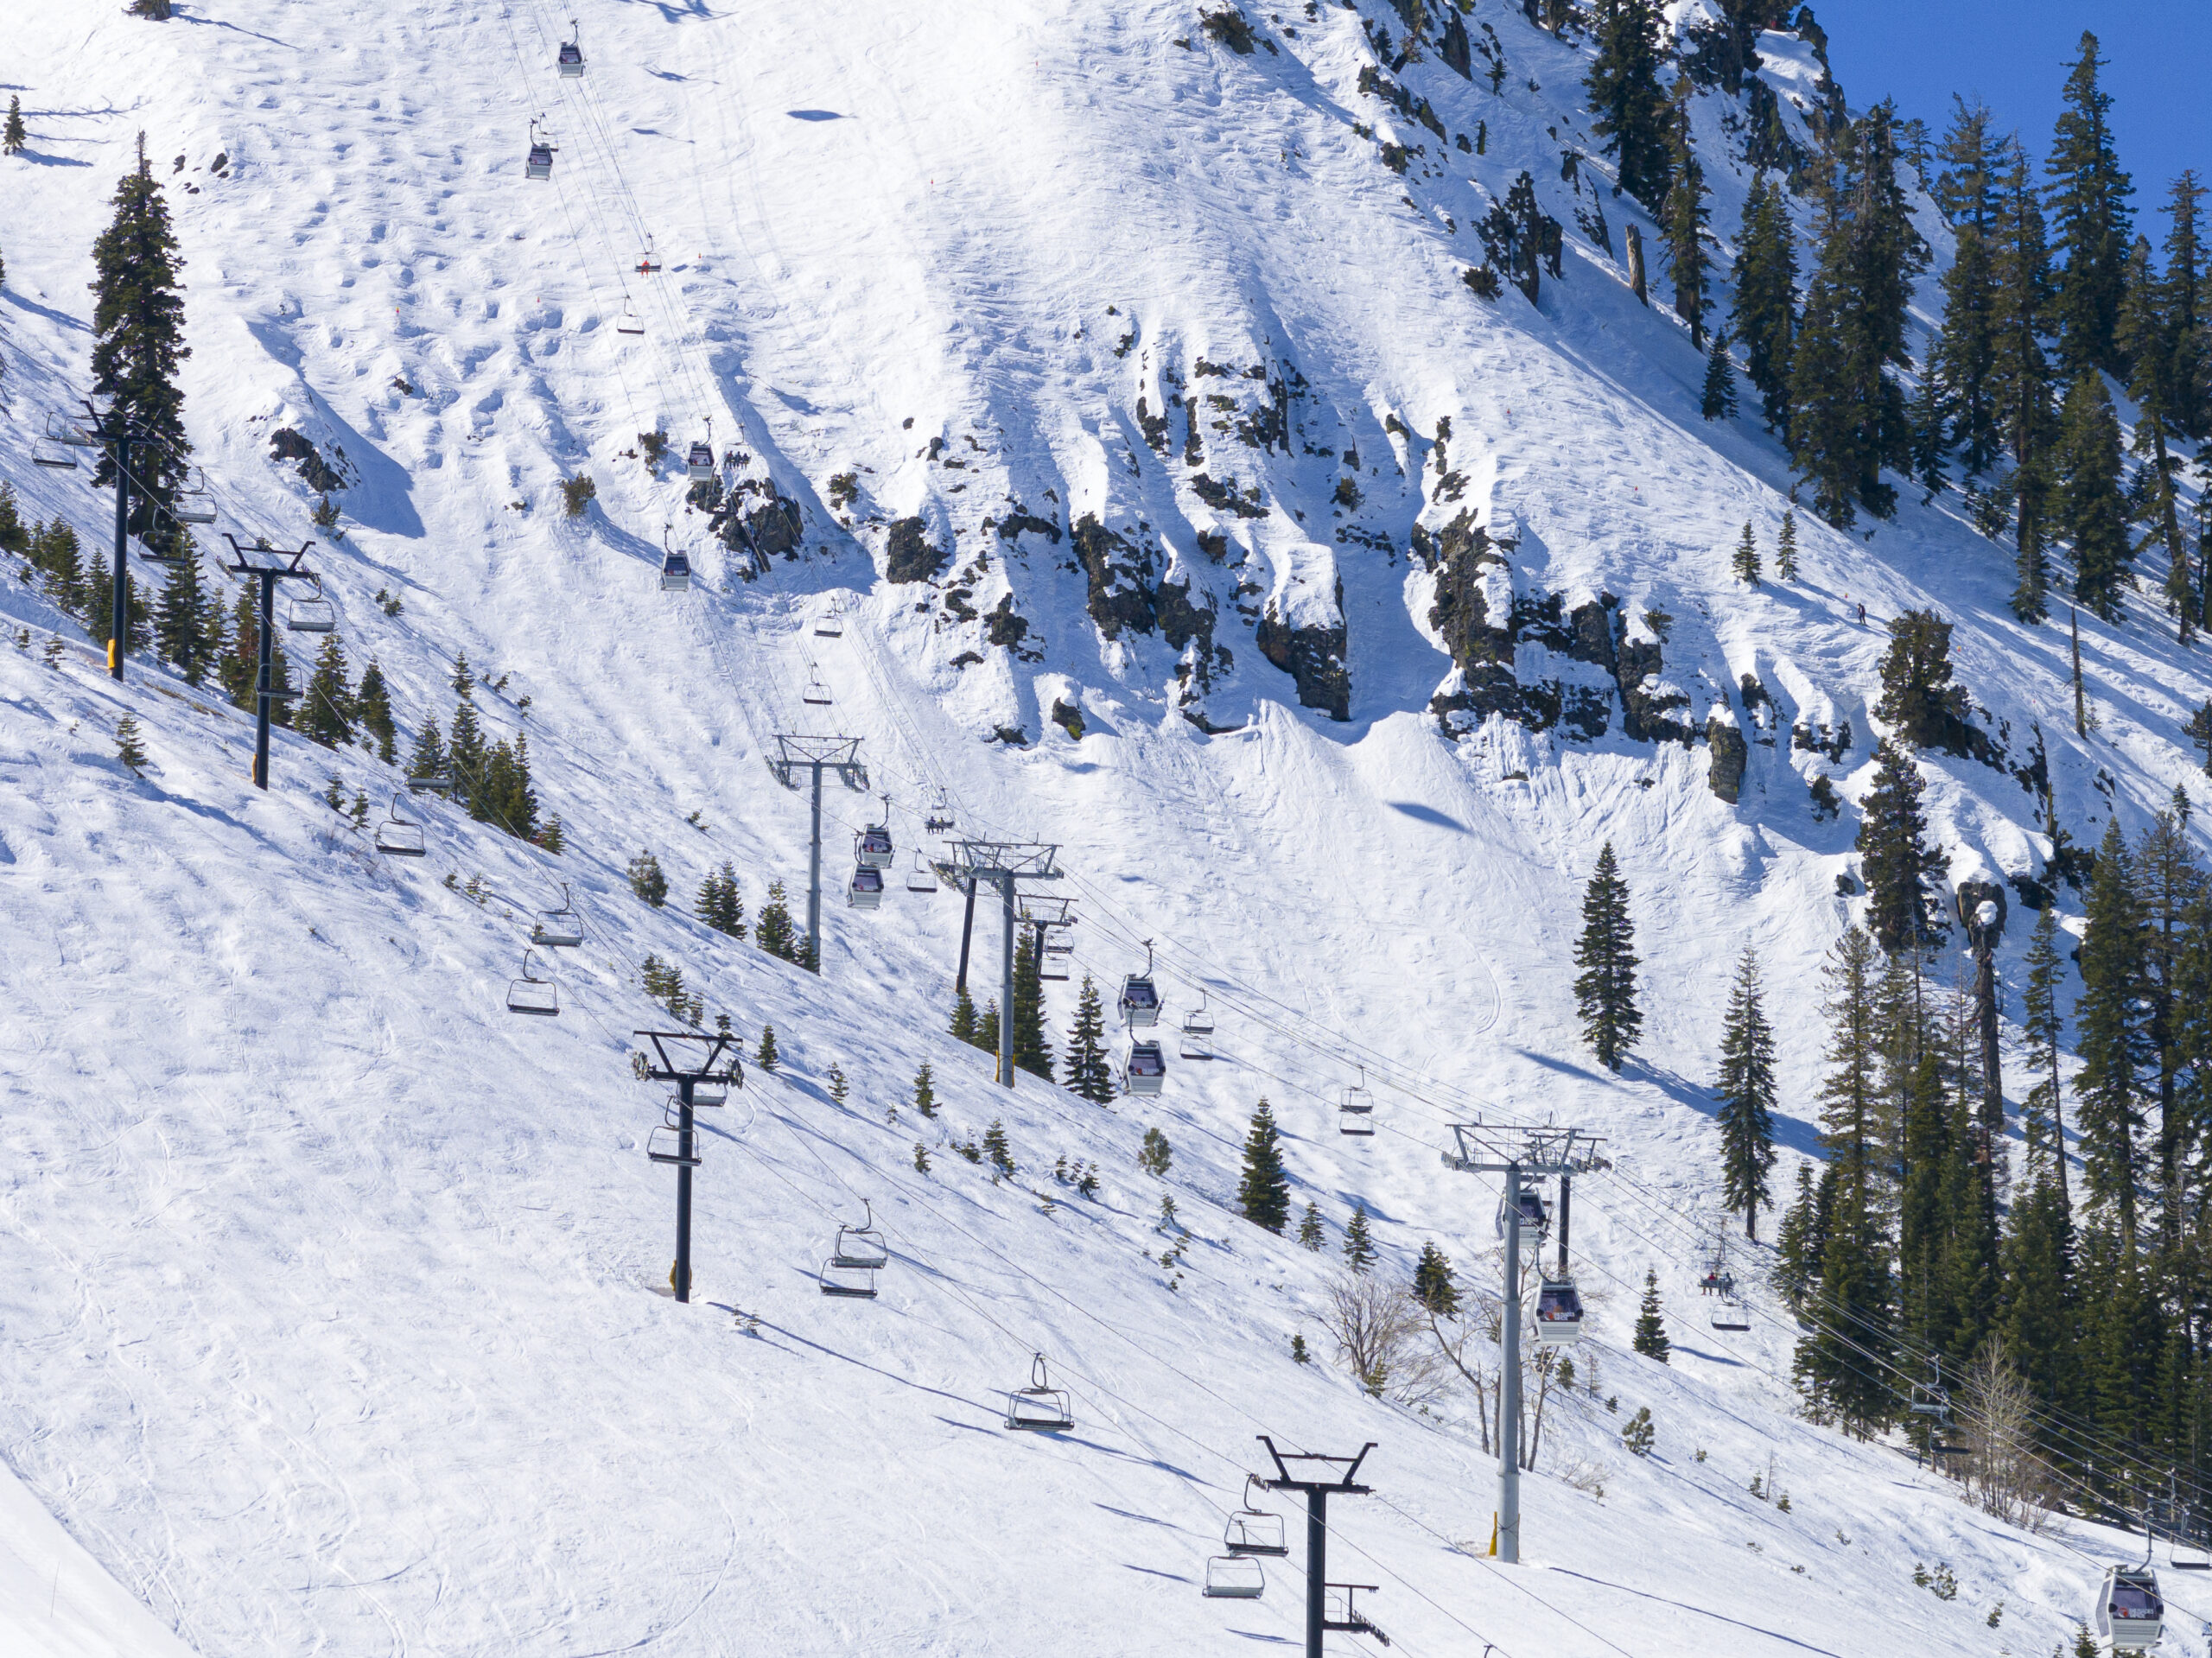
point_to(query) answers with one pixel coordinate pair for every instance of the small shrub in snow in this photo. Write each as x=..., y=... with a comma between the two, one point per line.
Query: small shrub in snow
x=1156, y=1153
x=1638, y=1433
x=128, y=748
x=646, y=880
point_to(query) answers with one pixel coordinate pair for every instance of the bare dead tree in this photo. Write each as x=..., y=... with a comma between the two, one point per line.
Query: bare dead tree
x=2002, y=1471
x=1376, y=1325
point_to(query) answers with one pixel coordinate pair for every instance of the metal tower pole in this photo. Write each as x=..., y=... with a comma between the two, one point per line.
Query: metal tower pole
x=119, y=598
x=814, y=879
x=682, y=1284
x=1317, y=1567
x=1509, y=1401
x=1565, y=1209
x=266, y=679
x=1006, y=982
x=967, y=932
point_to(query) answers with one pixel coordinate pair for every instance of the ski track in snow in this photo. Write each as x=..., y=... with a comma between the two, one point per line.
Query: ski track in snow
x=328, y=1309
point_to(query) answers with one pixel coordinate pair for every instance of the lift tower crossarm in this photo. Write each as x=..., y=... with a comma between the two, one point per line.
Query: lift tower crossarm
x=267, y=565
x=1002, y=864
x=816, y=755
x=717, y=1064
x=1318, y=1490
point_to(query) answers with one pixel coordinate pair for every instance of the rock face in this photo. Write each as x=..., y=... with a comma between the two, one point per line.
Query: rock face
x=1730, y=754
x=286, y=444
x=1470, y=573
x=1120, y=572
x=910, y=556
x=1456, y=50
x=1313, y=656
x=1973, y=894
x=775, y=527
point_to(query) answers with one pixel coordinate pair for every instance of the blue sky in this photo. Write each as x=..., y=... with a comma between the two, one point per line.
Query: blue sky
x=2014, y=53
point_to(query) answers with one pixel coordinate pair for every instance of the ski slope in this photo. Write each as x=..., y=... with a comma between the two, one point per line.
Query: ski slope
x=333, y=1321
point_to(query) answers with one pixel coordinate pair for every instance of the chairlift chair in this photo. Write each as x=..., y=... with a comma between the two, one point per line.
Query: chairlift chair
x=705, y=1095
x=854, y=1283
x=1729, y=1314
x=1559, y=1312
x=872, y=847
x=866, y=891
x=665, y=1145
x=1253, y=1530
x=1146, y=1071
x=816, y=694
x=531, y=995
x=311, y=614
x=560, y=929
x=439, y=782
x=830, y=624
x=44, y=455
x=1362, y=1126
x=2130, y=1613
x=61, y=429
x=939, y=819
x=1039, y=1408
x=1357, y=1099
x=1233, y=1577
x=629, y=322
x=861, y=1245
x=571, y=60
x=1052, y=966
x=1198, y=1033
x=921, y=878
x=192, y=503
x=399, y=835
x=2185, y=1552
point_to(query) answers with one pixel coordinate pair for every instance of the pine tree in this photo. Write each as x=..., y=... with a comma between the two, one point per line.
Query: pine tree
x=1919, y=700
x=1263, y=1192
x=187, y=623
x=1433, y=1286
x=987, y=1026
x=2091, y=511
x=1785, y=548
x=1967, y=192
x=996, y=1148
x=96, y=586
x=465, y=750
x=766, y=1055
x=1605, y=991
x=1359, y=1247
x=1682, y=218
x=1747, y=556
x=2091, y=220
x=1746, y=1091
x=1156, y=1155
x=1895, y=859
x=1628, y=107
x=129, y=748
x=774, y=931
x=1850, y=1102
x=840, y=1090
x=2109, y=1023
x=1929, y=419
x=15, y=536
x=1717, y=401
x=925, y=1091
x=1843, y=1366
x=1765, y=274
x=1651, y=1324
x=238, y=669
x=428, y=759
x=963, y=1017
x=2183, y=303
x=1031, y=1052
x=647, y=879
x=1797, y=1242
x=1310, y=1235
x=1084, y=1072
x=13, y=137
x=327, y=715
x=2151, y=344
x=2019, y=375
x=138, y=342
x=372, y=705
x=2042, y=1116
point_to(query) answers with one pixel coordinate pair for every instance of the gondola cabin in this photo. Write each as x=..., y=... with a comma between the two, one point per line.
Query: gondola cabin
x=1148, y=1070
x=2130, y=1614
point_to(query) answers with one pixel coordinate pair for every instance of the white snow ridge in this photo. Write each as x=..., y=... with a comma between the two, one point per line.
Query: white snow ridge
x=1095, y=397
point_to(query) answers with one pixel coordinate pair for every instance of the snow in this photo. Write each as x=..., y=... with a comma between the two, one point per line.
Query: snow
x=330, y=1298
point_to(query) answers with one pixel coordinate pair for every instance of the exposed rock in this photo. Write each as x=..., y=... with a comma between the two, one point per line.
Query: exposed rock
x=1121, y=594
x=1181, y=621
x=1017, y=522
x=909, y=556
x=1730, y=754
x=1483, y=647
x=1003, y=627
x=1068, y=717
x=1973, y=894
x=1225, y=497
x=1314, y=658
x=1456, y=51
x=1846, y=885
x=286, y=444
x=775, y=526
x=1012, y=736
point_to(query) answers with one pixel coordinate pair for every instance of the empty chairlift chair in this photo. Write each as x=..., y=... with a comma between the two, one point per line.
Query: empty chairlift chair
x=1729, y=1314
x=1039, y=1408
x=560, y=929
x=665, y=1144
x=1233, y=1577
x=830, y=624
x=1253, y=1530
x=310, y=614
x=1147, y=1068
x=193, y=503
x=866, y=890
x=53, y=448
x=859, y=1254
x=1053, y=960
x=531, y=995
x=629, y=322
x=398, y=835
x=1356, y=1101
x=2130, y=1613
x=1198, y=1031
x=816, y=694
x=1559, y=1312
x=921, y=878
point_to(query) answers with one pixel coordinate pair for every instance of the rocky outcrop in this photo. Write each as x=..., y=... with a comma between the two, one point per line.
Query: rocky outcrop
x=1068, y=717
x=1484, y=645
x=775, y=527
x=1730, y=756
x=1313, y=656
x=1120, y=574
x=287, y=444
x=1456, y=50
x=910, y=555
x=1647, y=709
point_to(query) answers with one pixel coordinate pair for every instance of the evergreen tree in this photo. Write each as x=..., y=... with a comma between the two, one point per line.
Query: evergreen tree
x=2110, y=1024
x=766, y=1055
x=647, y=879
x=1084, y=1070
x=1746, y=1091
x=2091, y=219
x=428, y=759
x=1929, y=419
x=96, y=585
x=14, y=537
x=1683, y=215
x=996, y=1147
x=1797, y=1242
x=372, y=705
x=13, y=137
x=2040, y=1310
x=1765, y=274
x=1652, y=1324
x=238, y=669
x=1629, y=110
x=187, y=623
x=2151, y=344
x=2019, y=375
x=1717, y=401
x=1896, y=861
x=1844, y=1365
x=1263, y=1192
x=1747, y=558
x=1310, y=1235
x=925, y=1091
x=52, y=551
x=138, y=343
x=2184, y=306
x=1850, y=1094
x=1156, y=1155
x=987, y=1026
x=1918, y=702
x=964, y=1016
x=466, y=751
x=1359, y=1247
x=2042, y=1116
x=1031, y=1052
x=774, y=931
x=1432, y=1282
x=2091, y=511
x=840, y=1090
x=1604, y=990
x=1967, y=192
x=1785, y=548
x=129, y=748
x=327, y=714
x=720, y=904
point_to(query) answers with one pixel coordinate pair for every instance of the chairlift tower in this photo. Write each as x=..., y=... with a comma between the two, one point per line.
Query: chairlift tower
x=1516, y=1151
x=816, y=755
x=1002, y=864
x=694, y=1060
x=269, y=574
x=1318, y=1492
x=116, y=433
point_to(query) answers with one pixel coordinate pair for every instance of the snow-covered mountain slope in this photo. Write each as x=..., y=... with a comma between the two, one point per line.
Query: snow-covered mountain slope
x=329, y=1321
